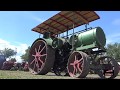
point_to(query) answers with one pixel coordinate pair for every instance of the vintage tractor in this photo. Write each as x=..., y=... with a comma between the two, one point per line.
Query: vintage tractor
x=73, y=54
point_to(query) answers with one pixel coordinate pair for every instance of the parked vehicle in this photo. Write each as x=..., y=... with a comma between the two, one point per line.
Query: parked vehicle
x=2, y=60
x=74, y=54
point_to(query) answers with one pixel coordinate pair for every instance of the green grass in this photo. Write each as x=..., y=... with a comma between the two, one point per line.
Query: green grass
x=4, y=74
x=27, y=75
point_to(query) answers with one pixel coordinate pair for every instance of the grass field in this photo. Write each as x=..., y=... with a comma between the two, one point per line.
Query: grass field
x=28, y=75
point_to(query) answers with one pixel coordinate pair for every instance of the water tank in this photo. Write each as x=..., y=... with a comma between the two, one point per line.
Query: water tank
x=95, y=35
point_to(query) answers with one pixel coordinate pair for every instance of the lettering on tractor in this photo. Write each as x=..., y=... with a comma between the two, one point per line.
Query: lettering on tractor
x=74, y=54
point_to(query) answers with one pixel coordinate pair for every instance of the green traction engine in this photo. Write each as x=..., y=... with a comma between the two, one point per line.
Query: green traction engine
x=74, y=55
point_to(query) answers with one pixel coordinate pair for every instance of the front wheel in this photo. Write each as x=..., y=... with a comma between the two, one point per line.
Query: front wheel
x=41, y=57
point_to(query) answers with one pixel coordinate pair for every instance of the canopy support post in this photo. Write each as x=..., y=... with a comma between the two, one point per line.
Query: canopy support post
x=86, y=28
x=73, y=38
x=39, y=35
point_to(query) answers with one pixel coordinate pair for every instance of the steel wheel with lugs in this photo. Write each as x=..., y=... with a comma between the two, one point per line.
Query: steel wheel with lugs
x=78, y=64
x=109, y=67
x=41, y=57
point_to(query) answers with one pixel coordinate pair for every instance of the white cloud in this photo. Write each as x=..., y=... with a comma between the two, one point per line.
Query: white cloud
x=116, y=22
x=32, y=16
x=20, y=48
x=115, y=37
x=18, y=58
x=108, y=41
x=37, y=19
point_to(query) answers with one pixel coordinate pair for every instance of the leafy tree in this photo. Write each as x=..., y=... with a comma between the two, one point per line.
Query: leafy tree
x=8, y=52
x=113, y=50
x=25, y=56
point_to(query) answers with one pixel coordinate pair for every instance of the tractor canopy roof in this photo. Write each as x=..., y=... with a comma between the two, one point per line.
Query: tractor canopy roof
x=64, y=21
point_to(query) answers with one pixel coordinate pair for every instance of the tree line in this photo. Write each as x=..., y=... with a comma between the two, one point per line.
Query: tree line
x=8, y=53
x=113, y=50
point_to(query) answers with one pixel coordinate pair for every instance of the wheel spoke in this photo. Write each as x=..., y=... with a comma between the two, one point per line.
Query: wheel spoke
x=39, y=48
x=42, y=49
x=34, y=66
x=40, y=60
x=35, y=50
x=43, y=55
x=32, y=61
x=37, y=65
x=75, y=58
x=78, y=66
x=81, y=60
x=74, y=69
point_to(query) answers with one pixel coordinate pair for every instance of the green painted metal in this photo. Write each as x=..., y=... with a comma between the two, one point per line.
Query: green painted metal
x=85, y=47
x=89, y=39
x=58, y=42
x=49, y=41
x=47, y=38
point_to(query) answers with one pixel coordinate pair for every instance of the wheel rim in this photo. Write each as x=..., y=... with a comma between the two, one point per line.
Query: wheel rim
x=78, y=65
x=110, y=67
x=38, y=56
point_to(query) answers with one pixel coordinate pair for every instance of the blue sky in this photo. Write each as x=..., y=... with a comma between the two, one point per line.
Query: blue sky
x=15, y=27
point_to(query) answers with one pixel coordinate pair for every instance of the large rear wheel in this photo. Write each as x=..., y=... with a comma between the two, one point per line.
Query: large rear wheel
x=41, y=57
x=78, y=64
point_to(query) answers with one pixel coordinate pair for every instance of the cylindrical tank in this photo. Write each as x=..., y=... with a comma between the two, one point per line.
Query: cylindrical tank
x=95, y=35
x=58, y=42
